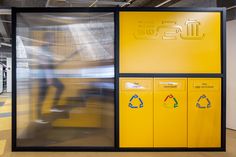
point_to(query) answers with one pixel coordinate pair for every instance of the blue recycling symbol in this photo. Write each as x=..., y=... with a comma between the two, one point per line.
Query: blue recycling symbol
x=135, y=96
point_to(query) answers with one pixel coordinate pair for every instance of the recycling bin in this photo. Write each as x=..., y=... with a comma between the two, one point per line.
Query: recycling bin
x=204, y=112
x=136, y=112
x=170, y=112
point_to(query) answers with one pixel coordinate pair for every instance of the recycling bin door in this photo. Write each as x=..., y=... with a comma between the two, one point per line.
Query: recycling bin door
x=136, y=112
x=170, y=112
x=204, y=112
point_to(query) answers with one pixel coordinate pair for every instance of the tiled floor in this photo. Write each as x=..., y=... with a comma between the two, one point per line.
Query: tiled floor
x=5, y=143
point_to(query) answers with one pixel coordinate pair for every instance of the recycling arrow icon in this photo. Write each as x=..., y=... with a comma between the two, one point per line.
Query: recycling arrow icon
x=200, y=100
x=168, y=104
x=134, y=98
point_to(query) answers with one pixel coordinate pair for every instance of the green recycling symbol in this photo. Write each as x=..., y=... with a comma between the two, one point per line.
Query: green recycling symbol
x=200, y=102
x=167, y=104
x=132, y=99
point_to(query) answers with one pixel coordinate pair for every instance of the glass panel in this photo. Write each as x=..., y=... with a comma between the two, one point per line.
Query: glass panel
x=65, y=79
x=1, y=78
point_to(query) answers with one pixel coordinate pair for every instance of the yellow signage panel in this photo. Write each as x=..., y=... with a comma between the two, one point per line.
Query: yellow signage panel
x=136, y=112
x=204, y=112
x=170, y=42
x=170, y=112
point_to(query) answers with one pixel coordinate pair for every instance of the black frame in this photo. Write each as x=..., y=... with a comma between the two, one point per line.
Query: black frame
x=116, y=11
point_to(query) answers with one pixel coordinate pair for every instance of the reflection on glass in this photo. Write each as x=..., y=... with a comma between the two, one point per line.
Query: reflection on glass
x=65, y=79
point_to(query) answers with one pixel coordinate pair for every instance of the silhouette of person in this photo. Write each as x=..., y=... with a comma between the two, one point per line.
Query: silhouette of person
x=48, y=78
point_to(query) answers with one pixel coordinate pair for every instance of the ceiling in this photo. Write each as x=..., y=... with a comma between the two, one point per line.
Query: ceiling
x=84, y=3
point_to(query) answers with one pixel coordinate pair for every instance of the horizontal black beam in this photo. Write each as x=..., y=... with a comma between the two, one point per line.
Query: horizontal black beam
x=113, y=149
x=170, y=75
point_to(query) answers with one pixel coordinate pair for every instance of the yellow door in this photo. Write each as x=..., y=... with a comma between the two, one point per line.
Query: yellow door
x=136, y=112
x=170, y=112
x=204, y=112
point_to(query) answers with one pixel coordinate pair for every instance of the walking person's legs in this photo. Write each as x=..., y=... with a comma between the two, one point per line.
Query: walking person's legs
x=41, y=97
x=59, y=90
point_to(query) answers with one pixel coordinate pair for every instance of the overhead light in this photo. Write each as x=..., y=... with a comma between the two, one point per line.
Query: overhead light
x=127, y=3
x=93, y=3
x=232, y=7
x=5, y=44
x=163, y=3
x=5, y=11
x=108, y=2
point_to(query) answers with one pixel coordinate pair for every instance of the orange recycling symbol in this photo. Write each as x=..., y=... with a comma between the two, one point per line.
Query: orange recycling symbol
x=170, y=101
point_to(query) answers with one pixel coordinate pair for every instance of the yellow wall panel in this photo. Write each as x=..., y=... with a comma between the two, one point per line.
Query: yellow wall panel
x=170, y=42
x=170, y=112
x=136, y=112
x=204, y=112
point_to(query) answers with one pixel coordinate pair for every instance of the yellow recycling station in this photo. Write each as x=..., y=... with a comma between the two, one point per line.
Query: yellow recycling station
x=171, y=80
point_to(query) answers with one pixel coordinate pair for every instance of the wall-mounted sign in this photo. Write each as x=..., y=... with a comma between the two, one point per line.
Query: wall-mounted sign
x=170, y=42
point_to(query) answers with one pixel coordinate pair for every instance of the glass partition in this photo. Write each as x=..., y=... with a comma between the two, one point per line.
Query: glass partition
x=65, y=79
x=1, y=78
